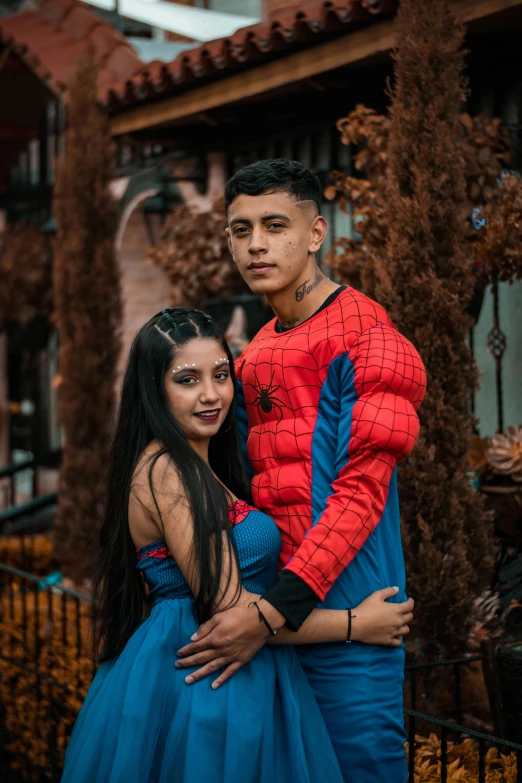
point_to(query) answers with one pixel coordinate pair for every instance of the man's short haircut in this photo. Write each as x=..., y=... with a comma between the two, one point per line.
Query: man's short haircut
x=275, y=176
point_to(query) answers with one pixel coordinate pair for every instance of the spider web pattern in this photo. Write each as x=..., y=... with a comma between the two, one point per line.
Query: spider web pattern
x=291, y=368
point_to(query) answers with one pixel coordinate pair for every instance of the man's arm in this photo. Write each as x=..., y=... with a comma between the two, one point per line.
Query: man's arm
x=390, y=383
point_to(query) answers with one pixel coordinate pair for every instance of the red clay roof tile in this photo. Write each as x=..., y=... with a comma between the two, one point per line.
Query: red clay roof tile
x=52, y=38
x=286, y=29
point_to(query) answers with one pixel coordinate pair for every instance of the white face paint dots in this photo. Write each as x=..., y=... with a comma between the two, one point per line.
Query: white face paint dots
x=222, y=360
x=181, y=367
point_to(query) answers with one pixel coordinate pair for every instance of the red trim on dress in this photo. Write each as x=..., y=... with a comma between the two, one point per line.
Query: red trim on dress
x=237, y=512
x=160, y=553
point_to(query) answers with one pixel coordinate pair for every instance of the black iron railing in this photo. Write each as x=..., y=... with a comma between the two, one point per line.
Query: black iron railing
x=417, y=723
x=25, y=541
x=456, y=665
x=23, y=510
x=47, y=662
x=37, y=759
x=9, y=472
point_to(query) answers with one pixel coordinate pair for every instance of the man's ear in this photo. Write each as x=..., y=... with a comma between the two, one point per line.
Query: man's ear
x=229, y=241
x=318, y=232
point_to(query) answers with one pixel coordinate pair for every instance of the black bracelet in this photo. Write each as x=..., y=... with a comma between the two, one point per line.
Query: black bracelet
x=262, y=618
x=349, y=634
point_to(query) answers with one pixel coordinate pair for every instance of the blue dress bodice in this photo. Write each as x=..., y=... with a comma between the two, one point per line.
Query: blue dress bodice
x=258, y=544
x=143, y=723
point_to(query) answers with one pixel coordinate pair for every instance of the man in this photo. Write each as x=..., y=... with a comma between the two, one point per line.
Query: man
x=331, y=391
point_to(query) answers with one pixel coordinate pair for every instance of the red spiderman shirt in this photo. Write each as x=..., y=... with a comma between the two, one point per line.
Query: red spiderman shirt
x=331, y=407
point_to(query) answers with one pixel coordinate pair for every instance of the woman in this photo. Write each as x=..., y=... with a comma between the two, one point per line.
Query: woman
x=179, y=535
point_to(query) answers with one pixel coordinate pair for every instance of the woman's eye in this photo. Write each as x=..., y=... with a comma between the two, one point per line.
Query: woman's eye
x=222, y=376
x=187, y=380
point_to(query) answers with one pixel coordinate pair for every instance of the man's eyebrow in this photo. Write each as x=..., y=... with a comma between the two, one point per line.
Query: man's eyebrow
x=265, y=219
x=280, y=216
x=240, y=220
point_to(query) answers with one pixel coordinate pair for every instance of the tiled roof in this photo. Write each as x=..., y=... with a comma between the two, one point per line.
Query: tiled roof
x=51, y=38
x=288, y=28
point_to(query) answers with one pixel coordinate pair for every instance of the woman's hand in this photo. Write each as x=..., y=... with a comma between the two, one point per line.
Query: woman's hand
x=376, y=621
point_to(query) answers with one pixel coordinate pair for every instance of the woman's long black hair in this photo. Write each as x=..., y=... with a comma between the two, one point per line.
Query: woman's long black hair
x=145, y=417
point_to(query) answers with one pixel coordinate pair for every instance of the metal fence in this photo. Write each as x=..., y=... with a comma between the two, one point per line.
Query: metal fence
x=418, y=723
x=46, y=665
x=452, y=730
x=47, y=662
x=25, y=537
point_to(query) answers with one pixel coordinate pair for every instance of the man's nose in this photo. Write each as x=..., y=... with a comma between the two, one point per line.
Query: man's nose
x=258, y=243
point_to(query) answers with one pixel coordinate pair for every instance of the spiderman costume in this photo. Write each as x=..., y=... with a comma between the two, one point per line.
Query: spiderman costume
x=331, y=409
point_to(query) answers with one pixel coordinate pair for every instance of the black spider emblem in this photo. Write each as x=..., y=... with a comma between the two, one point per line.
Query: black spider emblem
x=266, y=397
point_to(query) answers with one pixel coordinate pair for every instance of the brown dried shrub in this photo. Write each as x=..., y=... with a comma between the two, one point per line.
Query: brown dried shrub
x=426, y=167
x=195, y=256
x=88, y=317
x=35, y=554
x=485, y=146
x=463, y=766
x=25, y=274
x=42, y=633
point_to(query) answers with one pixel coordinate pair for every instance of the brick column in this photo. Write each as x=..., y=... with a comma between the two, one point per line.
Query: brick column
x=145, y=288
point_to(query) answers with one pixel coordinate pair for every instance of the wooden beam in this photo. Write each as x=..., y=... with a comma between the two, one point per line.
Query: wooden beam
x=470, y=10
x=294, y=68
x=351, y=48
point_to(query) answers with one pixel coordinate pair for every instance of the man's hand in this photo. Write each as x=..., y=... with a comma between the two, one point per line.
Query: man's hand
x=230, y=638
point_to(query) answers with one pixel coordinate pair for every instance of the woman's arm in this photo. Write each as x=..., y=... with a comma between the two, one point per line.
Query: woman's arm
x=170, y=511
x=374, y=621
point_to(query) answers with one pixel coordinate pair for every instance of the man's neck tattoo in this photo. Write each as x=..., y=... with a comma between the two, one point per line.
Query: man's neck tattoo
x=307, y=287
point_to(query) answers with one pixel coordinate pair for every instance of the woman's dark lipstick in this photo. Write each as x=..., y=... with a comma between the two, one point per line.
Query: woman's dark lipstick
x=209, y=416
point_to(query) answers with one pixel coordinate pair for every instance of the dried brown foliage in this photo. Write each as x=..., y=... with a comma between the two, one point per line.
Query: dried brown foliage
x=463, y=762
x=88, y=316
x=195, y=256
x=25, y=274
x=484, y=145
x=37, y=711
x=34, y=555
x=499, y=249
x=414, y=235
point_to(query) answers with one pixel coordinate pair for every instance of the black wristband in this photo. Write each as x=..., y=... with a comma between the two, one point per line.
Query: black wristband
x=262, y=618
x=292, y=598
x=349, y=634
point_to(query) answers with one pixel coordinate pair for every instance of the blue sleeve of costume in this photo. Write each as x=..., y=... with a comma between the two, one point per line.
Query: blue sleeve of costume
x=242, y=425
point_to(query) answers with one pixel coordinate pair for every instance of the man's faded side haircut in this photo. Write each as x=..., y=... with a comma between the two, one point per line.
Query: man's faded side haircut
x=275, y=176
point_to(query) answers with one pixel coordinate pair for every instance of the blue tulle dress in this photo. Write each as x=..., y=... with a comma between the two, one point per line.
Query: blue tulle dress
x=141, y=723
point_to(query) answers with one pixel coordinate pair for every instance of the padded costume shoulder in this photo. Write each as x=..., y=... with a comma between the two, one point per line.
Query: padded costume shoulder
x=344, y=382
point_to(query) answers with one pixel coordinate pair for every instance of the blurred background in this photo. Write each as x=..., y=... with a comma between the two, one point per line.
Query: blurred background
x=120, y=124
